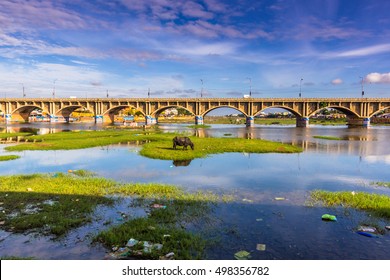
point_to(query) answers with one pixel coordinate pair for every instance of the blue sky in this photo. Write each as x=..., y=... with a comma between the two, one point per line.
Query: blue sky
x=86, y=48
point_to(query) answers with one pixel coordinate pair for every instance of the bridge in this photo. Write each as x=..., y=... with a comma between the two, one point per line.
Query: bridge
x=358, y=110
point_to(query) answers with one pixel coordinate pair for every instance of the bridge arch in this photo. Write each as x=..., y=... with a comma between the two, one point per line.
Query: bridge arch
x=342, y=109
x=292, y=111
x=162, y=109
x=223, y=106
x=111, y=112
x=22, y=113
x=376, y=112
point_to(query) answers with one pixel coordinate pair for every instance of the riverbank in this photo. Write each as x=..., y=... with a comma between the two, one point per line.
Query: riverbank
x=55, y=204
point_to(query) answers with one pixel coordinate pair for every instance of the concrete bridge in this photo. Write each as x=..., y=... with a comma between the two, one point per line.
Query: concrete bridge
x=358, y=110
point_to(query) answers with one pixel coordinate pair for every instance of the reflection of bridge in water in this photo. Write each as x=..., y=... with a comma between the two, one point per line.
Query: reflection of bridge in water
x=358, y=110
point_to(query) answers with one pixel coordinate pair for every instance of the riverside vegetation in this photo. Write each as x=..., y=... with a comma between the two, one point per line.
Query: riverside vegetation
x=53, y=204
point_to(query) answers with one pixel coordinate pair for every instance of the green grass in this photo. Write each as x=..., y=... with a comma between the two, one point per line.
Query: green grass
x=14, y=134
x=327, y=137
x=375, y=204
x=159, y=145
x=8, y=157
x=53, y=204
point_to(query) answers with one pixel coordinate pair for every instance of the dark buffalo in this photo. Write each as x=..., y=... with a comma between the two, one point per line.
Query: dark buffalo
x=182, y=141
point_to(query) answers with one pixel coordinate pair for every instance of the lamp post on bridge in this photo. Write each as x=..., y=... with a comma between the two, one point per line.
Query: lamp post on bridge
x=54, y=88
x=300, y=88
x=362, y=86
x=201, y=92
x=250, y=87
x=23, y=93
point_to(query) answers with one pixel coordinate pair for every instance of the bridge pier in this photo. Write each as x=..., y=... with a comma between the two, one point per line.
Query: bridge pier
x=98, y=119
x=8, y=118
x=302, y=121
x=250, y=121
x=198, y=120
x=150, y=120
x=358, y=122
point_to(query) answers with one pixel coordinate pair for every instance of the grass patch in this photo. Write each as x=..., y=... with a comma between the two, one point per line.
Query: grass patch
x=53, y=204
x=375, y=204
x=8, y=157
x=158, y=145
x=166, y=225
x=327, y=137
x=14, y=134
x=49, y=204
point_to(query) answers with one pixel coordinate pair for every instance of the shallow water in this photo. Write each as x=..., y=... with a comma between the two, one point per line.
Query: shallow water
x=288, y=228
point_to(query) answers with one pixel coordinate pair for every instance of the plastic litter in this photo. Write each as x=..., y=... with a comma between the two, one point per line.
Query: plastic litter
x=259, y=220
x=29, y=189
x=131, y=242
x=159, y=206
x=260, y=247
x=328, y=217
x=242, y=255
x=168, y=256
x=247, y=200
x=366, y=234
x=387, y=227
x=280, y=198
x=367, y=229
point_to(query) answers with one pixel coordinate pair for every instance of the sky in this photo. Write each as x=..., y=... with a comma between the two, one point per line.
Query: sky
x=209, y=48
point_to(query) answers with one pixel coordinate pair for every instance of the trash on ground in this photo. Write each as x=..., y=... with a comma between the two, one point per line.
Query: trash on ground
x=247, y=200
x=131, y=242
x=367, y=229
x=368, y=234
x=131, y=250
x=166, y=235
x=29, y=189
x=2, y=223
x=328, y=217
x=242, y=255
x=280, y=198
x=387, y=227
x=260, y=247
x=168, y=256
x=158, y=206
x=259, y=220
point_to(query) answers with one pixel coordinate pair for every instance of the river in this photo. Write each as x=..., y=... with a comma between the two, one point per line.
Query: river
x=287, y=227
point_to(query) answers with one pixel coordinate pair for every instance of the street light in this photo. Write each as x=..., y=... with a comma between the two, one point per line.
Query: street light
x=300, y=88
x=250, y=87
x=24, y=95
x=201, y=92
x=362, y=86
x=54, y=88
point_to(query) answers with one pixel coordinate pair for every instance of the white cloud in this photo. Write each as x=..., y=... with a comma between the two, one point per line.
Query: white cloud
x=382, y=48
x=337, y=81
x=378, y=78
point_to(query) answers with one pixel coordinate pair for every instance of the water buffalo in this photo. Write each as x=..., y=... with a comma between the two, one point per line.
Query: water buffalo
x=182, y=141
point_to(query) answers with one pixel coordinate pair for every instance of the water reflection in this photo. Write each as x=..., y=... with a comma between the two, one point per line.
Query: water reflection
x=181, y=162
x=288, y=228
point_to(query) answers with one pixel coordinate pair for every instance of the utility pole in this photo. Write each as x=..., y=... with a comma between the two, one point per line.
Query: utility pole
x=54, y=88
x=148, y=92
x=362, y=86
x=300, y=88
x=250, y=87
x=201, y=92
